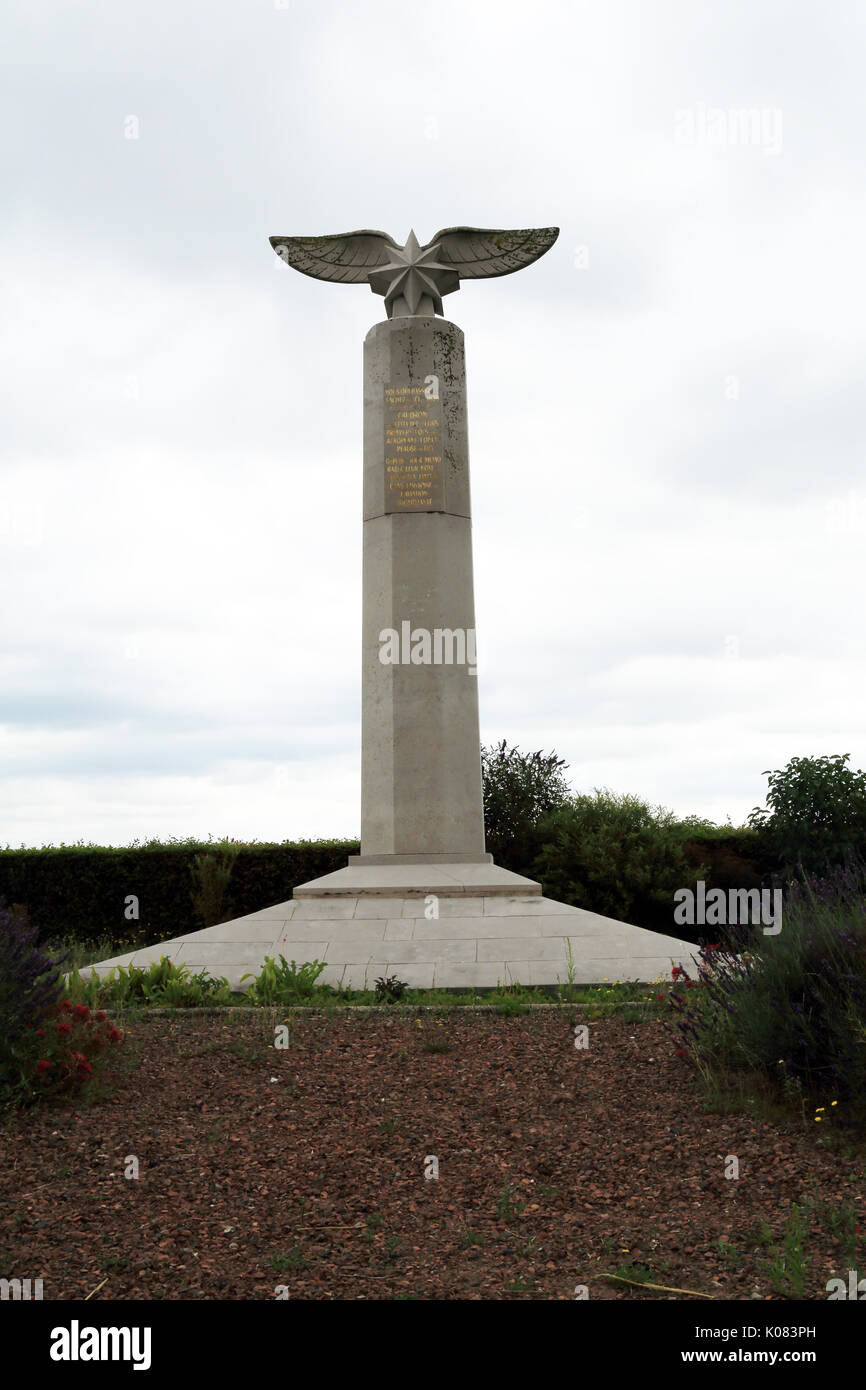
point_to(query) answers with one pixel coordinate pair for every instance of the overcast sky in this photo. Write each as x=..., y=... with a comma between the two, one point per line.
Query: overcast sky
x=666, y=412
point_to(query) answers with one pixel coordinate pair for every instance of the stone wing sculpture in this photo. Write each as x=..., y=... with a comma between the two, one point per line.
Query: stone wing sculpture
x=414, y=278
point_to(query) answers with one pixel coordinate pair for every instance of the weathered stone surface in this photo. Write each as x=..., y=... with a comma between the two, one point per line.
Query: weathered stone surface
x=420, y=758
x=415, y=881
x=423, y=900
x=413, y=278
x=478, y=948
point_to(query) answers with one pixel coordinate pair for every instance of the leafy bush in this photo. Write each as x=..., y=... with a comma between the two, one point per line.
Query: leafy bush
x=390, y=989
x=30, y=987
x=210, y=871
x=615, y=855
x=68, y=1052
x=788, y=1009
x=734, y=857
x=30, y=980
x=167, y=985
x=816, y=813
x=49, y=1046
x=520, y=789
x=162, y=984
x=286, y=983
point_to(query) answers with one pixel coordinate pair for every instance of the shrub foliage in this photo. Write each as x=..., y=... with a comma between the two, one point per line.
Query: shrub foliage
x=790, y=1009
x=83, y=890
x=49, y=1046
x=615, y=855
x=520, y=789
x=815, y=816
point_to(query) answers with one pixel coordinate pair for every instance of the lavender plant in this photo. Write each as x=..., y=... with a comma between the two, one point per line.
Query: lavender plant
x=792, y=1007
x=30, y=979
x=30, y=986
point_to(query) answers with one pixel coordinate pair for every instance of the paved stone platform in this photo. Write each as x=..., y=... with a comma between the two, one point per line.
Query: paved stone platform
x=478, y=939
x=415, y=879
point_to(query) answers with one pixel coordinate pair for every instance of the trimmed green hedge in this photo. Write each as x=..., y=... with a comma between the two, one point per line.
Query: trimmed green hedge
x=81, y=891
x=736, y=858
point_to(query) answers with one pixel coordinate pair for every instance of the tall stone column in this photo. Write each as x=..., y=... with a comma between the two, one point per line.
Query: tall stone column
x=422, y=824
x=420, y=761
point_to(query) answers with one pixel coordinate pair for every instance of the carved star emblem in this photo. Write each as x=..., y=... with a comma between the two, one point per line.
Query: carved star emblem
x=411, y=273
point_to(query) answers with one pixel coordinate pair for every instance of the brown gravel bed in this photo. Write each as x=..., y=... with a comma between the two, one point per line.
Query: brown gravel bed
x=304, y=1167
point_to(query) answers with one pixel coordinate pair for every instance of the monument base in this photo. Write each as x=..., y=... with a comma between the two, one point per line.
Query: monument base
x=420, y=859
x=445, y=926
x=379, y=876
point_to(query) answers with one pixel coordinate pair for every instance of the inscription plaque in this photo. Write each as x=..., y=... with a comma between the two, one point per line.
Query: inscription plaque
x=413, y=451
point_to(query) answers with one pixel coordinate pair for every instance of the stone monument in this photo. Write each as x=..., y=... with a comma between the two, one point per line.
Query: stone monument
x=423, y=900
x=421, y=799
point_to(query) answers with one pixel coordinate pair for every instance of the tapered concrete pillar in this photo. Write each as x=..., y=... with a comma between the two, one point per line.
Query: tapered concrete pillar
x=420, y=761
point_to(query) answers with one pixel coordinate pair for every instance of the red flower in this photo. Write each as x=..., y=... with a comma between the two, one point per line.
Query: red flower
x=661, y=997
x=677, y=971
x=64, y=1029
x=42, y=1065
x=100, y=1016
x=680, y=1052
x=81, y=1011
x=114, y=1033
x=84, y=1067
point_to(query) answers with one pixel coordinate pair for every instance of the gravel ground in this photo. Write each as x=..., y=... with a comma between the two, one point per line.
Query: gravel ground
x=302, y=1170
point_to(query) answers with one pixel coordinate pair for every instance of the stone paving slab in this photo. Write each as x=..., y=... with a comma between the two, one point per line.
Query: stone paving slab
x=475, y=942
x=417, y=880
x=446, y=907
